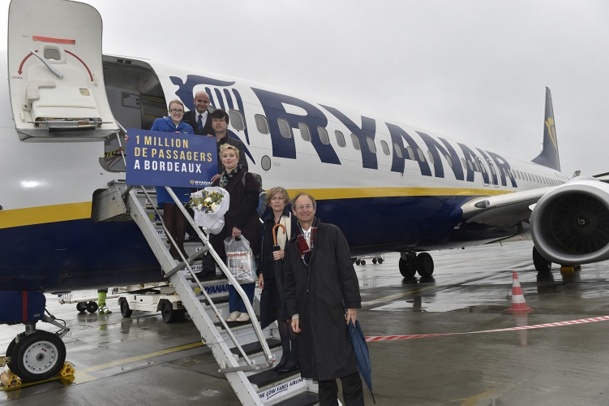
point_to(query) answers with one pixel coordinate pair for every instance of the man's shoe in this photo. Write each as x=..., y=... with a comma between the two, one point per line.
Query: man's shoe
x=289, y=368
x=233, y=316
x=243, y=317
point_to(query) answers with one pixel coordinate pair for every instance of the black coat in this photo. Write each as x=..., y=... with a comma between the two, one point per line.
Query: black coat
x=320, y=294
x=190, y=117
x=241, y=212
x=272, y=299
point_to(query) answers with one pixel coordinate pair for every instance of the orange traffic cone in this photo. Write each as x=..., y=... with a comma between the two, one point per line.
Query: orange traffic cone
x=519, y=305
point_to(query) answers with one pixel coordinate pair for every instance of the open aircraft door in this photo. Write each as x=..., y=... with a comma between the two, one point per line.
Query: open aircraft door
x=55, y=71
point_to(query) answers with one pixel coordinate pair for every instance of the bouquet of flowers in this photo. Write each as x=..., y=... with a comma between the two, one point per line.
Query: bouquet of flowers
x=210, y=205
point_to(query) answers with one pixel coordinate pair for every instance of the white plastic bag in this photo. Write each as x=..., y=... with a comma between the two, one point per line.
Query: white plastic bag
x=240, y=259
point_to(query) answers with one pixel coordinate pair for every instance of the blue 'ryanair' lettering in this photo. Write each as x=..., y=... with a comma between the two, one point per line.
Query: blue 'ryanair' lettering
x=274, y=109
x=448, y=153
x=397, y=135
x=503, y=168
x=368, y=130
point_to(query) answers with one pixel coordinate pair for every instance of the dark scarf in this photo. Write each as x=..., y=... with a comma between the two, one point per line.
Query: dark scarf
x=226, y=177
x=303, y=248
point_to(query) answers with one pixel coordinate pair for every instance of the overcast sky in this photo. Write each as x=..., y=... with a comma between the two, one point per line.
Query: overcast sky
x=471, y=70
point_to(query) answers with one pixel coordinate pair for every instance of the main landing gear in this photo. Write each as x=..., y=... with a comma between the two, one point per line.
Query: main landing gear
x=37, y=355
x=410, y=263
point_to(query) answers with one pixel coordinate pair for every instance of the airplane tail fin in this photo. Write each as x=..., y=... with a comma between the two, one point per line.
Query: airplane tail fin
x=549, y=153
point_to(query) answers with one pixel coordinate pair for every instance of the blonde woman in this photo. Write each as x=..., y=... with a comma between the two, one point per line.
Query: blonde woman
x=241, y=219
x=270, y=277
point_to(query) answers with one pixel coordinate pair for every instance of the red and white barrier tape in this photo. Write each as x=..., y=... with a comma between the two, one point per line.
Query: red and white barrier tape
x=372, y=339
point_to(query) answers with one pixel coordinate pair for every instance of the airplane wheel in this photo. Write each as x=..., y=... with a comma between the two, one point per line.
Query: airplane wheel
x=381, y=260
x=91, y=307
x=541, y=264
x=167, y=312
x=125, y=310
x=363, y=262
x=407, y=268
x=81, y=307
x=38, y=356
x=424, y=265
x=374, y=261
x=358, y=262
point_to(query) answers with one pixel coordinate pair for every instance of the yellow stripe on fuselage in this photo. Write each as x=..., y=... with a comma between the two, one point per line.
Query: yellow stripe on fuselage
x=45, y=214
x=82, y=210
x=358, y=193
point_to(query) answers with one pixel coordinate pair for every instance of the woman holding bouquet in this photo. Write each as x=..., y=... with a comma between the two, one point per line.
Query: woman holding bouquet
x=174, y=220
x=241, y=219
x=270, y=277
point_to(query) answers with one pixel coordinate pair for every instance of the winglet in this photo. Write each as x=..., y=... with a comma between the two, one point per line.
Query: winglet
x=549, y=153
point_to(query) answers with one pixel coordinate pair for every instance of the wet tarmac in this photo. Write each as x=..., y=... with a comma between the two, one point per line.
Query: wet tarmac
x=446, y=340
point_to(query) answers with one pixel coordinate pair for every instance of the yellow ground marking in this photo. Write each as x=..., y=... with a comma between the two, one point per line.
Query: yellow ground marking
x=84, y=376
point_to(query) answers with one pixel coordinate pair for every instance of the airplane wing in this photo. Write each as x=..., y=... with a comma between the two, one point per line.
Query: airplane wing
x=503, y=210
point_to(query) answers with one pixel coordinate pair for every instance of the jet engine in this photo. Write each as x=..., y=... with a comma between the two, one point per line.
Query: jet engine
x=570, y=224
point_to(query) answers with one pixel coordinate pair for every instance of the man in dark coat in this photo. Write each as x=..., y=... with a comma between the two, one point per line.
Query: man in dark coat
x=322, y=295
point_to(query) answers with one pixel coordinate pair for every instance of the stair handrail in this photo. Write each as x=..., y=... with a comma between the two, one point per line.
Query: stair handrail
x=250, y=310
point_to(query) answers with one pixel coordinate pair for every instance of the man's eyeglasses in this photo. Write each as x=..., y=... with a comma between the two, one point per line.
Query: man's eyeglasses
x=301, y=207
x=176, y=110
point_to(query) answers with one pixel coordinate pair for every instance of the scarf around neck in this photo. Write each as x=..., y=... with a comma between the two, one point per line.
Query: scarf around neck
x=226, y=177
x=305, y=249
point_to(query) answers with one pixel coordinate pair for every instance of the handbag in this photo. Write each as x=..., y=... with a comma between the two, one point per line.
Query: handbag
x=240, y=259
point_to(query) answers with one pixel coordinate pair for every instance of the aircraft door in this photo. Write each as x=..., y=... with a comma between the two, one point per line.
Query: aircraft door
x=55, y=71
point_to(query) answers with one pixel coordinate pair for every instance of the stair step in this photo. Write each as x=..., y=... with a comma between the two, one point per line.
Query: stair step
x=255, y=347
x=270, y=377
x=307, y=398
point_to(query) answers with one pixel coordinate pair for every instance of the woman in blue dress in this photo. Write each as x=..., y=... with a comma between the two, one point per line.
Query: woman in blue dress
x=174, y=220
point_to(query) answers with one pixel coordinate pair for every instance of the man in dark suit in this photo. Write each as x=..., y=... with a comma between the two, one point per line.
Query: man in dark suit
x=199, y=118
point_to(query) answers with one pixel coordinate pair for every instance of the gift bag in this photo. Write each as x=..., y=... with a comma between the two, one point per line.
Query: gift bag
x=240, y=259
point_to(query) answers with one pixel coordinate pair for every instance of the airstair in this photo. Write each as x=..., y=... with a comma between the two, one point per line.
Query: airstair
x=243, y=352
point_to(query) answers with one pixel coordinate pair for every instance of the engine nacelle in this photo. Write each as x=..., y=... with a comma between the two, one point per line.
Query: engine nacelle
x=570, y=224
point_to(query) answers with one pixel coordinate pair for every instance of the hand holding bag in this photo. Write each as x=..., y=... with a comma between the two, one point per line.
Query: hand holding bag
x=240, y=259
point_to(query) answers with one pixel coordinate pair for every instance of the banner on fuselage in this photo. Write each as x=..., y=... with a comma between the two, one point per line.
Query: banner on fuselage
x=170, y=159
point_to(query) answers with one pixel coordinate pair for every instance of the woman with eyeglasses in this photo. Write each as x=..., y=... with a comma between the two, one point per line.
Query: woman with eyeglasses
x=174, y=220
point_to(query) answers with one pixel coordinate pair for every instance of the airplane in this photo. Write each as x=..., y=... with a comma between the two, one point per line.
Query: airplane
x=389, y=186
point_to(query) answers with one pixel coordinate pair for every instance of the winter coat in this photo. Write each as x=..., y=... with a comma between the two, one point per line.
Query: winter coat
x=272, y=298
x=320, y=294
x=241, y=212
x=165, y=124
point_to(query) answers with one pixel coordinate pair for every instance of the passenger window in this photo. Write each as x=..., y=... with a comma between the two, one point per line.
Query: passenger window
x=236, y=119
x=450, y=161
x=371, y=145
x=340, y=139
x=304, y=132
x=430, y=156
x=421, y=155
x=410, y=153
x=261, y=124
x=355, y=142
x=385, y=147
x=323, y=136
x=398, y=150
x=284, y=128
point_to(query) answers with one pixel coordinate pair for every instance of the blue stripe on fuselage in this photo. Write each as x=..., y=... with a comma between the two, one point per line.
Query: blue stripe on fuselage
x=82, y=254
x=75, y=255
